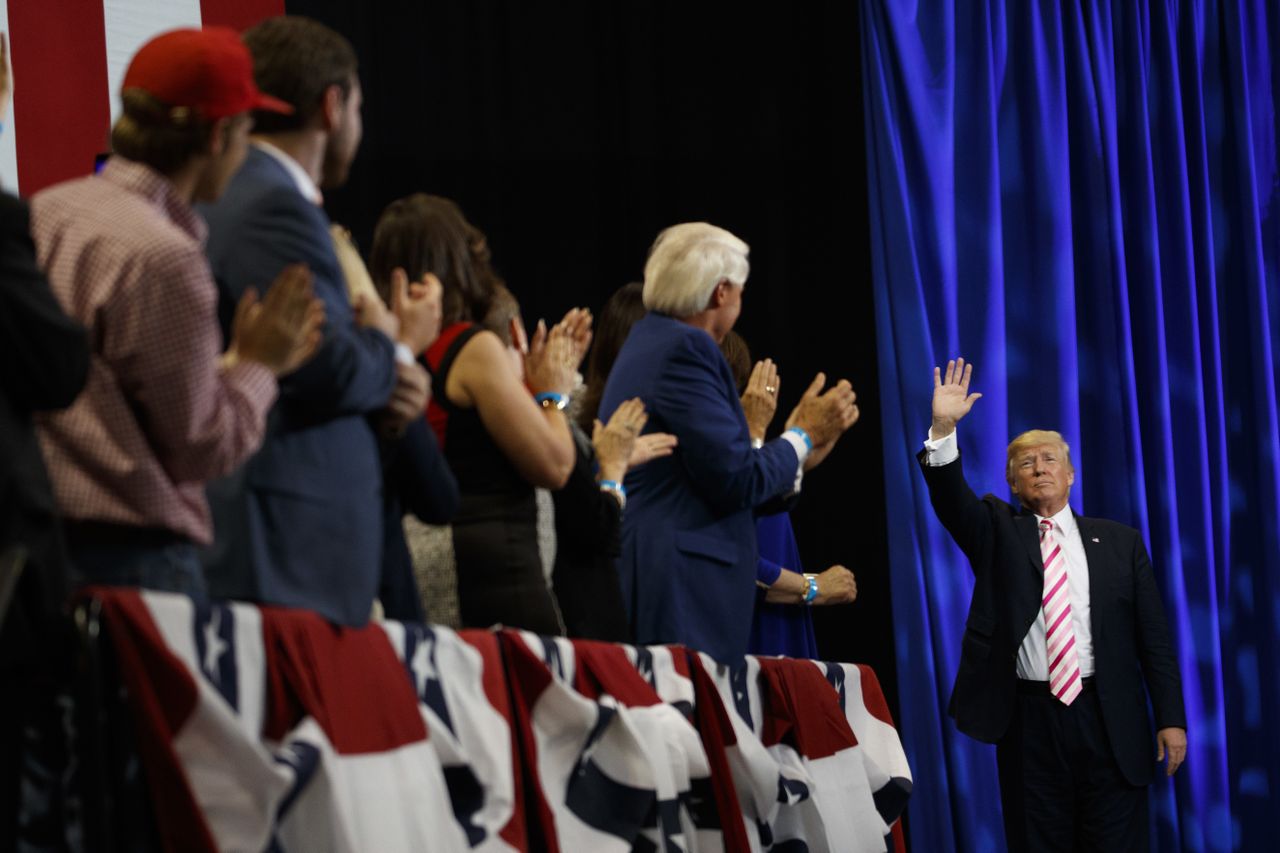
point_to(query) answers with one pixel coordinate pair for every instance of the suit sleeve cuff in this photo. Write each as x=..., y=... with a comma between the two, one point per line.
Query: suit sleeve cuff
x=767, y=572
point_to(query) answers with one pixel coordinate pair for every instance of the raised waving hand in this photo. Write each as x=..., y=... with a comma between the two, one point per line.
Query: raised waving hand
x=951, y=397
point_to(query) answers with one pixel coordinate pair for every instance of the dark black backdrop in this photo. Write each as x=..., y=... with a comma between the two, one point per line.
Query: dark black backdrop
x=572, y=133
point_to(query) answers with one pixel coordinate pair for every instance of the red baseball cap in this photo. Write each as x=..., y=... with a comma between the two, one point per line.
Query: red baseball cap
x=208, y=69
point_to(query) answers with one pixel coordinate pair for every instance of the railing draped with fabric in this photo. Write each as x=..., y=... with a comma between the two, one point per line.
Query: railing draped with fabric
x=267, y=728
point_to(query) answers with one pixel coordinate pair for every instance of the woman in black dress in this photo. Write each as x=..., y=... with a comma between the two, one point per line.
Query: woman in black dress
x=498, y=412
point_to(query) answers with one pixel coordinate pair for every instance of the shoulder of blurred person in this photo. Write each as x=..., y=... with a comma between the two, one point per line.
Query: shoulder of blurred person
x=44, y=354
x=44, y=360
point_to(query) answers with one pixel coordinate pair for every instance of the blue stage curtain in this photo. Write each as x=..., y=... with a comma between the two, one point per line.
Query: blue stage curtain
x=1080, y=198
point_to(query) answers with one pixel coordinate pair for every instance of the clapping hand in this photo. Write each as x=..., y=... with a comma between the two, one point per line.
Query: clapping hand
x=576, y=327
x=825, y=417
x=614, y=442
x=951, y=397
x=282, y=331
x=760, y=399
x=418, y=306
x=551, y=364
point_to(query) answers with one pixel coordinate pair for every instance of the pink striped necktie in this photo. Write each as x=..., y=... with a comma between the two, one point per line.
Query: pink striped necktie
x=1059, y=637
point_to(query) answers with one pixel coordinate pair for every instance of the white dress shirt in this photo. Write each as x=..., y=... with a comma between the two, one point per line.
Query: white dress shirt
x=1033, y=655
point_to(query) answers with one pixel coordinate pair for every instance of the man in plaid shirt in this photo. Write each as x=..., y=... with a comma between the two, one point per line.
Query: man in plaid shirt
x=164, y=410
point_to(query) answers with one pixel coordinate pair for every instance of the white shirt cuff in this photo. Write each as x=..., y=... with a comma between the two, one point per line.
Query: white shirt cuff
x=802, y=453
x=404, y=355
x=942, y=451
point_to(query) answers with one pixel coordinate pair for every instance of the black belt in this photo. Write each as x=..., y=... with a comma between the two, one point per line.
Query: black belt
x=1041, y=688
x=104, y=534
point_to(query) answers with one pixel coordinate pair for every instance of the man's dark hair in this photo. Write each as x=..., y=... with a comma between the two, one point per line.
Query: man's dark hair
x=157, y=135
x=428, y=234
x=297, y=59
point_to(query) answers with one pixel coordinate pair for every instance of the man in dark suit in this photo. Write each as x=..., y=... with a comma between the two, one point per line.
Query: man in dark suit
x=1064, y=628
x=688, y=562
x=301, y=524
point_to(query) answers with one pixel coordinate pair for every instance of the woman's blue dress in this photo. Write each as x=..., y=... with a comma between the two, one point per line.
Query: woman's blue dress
x=779, y=629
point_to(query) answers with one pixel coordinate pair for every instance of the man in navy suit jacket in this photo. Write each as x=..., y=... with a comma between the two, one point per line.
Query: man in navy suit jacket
x=688, y=562
x=301, y=524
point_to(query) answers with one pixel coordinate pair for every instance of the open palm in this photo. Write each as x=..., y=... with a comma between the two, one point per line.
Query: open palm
x=951, y=397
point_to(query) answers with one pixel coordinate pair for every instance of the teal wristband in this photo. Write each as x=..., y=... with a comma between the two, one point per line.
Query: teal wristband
x=804, y=436
x=811, y=591
x=549, y=399
x=619, y=491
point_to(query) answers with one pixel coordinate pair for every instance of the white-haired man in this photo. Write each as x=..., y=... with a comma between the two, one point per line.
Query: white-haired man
x=688, y=562
x=1065, y=627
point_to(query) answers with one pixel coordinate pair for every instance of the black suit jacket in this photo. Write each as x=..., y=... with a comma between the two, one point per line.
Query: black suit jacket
x=1130, y=635
x=44, y=360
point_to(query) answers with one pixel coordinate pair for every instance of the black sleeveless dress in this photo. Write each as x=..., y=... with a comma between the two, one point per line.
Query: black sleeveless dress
x=495, y=531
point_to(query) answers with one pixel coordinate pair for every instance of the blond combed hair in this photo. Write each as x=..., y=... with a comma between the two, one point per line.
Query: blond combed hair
x=1036, y=438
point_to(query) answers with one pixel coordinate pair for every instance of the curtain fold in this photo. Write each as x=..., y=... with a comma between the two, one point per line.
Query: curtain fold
x=1079, y=198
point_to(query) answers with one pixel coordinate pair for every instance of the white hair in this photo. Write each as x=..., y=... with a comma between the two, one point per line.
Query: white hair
x=686, y=263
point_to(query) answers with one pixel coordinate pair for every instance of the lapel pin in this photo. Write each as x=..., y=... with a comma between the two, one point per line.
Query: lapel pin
x=1095, y=539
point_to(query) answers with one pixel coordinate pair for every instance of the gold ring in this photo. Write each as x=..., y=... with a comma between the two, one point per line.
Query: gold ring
x=772, y=389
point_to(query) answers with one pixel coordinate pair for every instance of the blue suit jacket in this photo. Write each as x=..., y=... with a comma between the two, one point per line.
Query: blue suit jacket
x=688, y=564
x=301, y=523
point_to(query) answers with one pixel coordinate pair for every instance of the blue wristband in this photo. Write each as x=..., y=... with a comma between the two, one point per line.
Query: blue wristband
x=804, y=436
x=619, y=491
x=811, y=591
x=558, y=400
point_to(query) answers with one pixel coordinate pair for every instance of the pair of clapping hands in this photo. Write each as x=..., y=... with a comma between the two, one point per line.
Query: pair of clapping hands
x=824, y=416
x=551, y=364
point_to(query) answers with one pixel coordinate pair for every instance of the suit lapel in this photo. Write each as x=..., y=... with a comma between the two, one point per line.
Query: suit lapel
x=1030, y=536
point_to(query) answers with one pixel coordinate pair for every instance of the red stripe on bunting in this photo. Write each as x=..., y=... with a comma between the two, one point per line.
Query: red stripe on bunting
x=238, y=14
x=60, y=101
x=163, y=696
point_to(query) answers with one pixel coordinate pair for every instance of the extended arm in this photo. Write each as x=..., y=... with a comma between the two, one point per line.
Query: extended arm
x=536, y=439
x=955, y=504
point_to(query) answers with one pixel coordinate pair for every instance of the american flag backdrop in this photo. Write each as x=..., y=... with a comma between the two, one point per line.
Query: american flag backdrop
x=69, y=57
